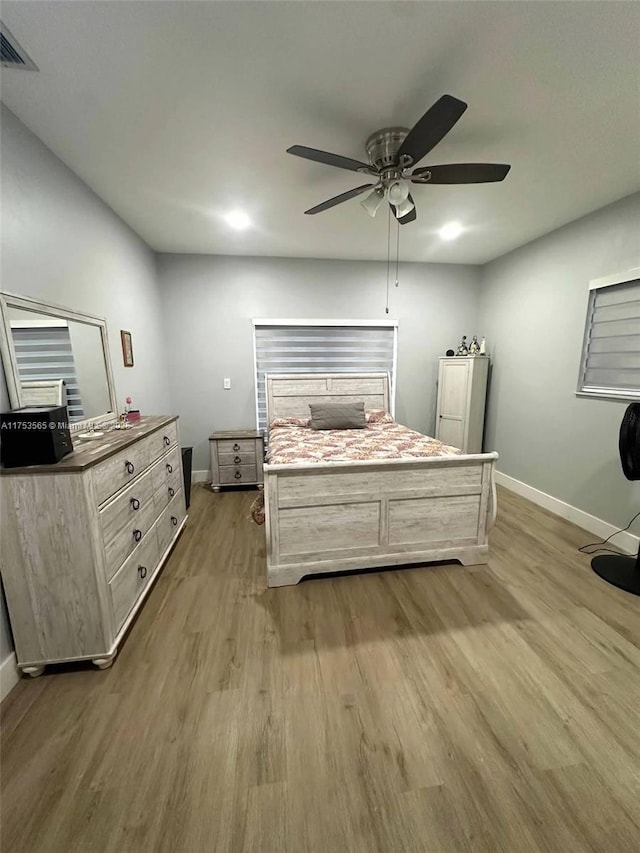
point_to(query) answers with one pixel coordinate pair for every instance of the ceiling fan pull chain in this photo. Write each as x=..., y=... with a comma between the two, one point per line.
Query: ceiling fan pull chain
x=397, y=249
x=386, y=310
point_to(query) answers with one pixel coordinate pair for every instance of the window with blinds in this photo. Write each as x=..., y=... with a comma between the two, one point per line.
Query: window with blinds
x=611, y=353
x=44, y=352
x=323, y=346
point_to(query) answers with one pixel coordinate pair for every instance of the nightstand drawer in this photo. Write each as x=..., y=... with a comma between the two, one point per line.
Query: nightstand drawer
x=242, y=457
x=230, y=474
x=241, y=445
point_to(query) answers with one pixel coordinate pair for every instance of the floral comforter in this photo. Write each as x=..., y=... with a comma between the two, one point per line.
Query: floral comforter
x=291, y=440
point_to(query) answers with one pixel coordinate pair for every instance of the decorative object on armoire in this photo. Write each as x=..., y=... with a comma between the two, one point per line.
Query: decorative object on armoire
x=449, y=352
x=618, y=569
x=127, y=348
x=462, y=391
x=474, y=346
x=483, y=347
x=393, y=151
x=83, y=540
x=463, y=350
x=236, y=458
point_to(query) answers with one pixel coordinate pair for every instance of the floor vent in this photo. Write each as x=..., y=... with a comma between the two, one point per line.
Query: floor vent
x=12, y=55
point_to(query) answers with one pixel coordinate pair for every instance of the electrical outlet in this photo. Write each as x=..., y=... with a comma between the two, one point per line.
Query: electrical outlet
x=226, y=384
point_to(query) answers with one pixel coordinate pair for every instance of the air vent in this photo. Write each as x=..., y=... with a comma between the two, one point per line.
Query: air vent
x=12, y=55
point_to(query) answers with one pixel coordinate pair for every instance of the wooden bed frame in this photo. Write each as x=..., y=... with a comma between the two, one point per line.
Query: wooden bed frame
x=342, y=516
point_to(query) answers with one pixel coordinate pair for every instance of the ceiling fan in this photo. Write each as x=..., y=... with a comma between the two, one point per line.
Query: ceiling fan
x=393, y=152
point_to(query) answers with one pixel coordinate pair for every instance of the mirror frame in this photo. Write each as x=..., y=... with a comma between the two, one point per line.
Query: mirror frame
x=9, y=361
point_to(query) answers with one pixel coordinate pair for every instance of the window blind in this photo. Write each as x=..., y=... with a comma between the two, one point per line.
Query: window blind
x=320, y=348
x=44, y=352
x=611, y=354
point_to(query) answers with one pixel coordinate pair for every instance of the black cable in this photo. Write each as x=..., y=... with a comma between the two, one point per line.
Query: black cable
x=604, y=541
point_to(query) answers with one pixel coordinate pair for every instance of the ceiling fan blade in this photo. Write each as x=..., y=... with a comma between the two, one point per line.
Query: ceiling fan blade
x=461, y=173
x=409, y=217
x=432, y=127
x=338, y=199
x=330, y=159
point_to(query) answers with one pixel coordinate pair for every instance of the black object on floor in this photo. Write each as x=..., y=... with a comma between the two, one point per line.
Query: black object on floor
x=187, y=454
x=621, y=571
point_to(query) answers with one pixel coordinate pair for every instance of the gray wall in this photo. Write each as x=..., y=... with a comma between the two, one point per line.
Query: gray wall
x=62, y=244
x=532, y=310
x=209, y=302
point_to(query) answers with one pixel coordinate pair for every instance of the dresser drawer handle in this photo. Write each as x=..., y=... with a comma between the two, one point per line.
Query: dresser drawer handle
x=142, y=571
x=174, y=521
x=169, y=468
x=238, y=475
x=135, y=503
x=137, y=535
x=236, y=447
x=237, y=460
x=130, y=467
x=167, y=440
x=171, y=492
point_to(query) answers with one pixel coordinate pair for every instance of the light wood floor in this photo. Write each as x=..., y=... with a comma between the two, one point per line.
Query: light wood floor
x=429, y=709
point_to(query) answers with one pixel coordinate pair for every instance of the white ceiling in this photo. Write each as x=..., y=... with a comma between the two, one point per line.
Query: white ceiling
x=176, y=112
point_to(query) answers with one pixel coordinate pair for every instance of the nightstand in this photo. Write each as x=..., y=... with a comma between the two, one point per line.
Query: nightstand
x=236, y=458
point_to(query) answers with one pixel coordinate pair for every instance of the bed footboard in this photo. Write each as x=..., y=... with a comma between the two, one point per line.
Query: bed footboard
x=334, y=517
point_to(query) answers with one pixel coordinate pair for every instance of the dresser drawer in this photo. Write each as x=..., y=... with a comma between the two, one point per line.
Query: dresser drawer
x=161, y=440
x=168, y=490
x=127, y=585
x=242, y=457
x=119, y=470
x=233, y=446
x=170, y=520
x=126, y=507
x=166, y=468
x=125, y=540
x=231, y=474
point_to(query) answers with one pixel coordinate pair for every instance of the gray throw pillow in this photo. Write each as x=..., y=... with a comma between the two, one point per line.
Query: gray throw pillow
x=337, y=416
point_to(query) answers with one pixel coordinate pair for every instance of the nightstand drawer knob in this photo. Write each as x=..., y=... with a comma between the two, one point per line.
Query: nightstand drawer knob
x=171, y=492
x=135, y=503
x=237, y=460
x=137, y=535
x=167, y=440
x=238, y=475
x=130, y=467
x=174, y=520
x=236, y=447
x=169, y=468
x=142, y=571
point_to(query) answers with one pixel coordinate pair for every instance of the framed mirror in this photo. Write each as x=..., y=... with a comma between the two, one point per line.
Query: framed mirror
x=55, y=356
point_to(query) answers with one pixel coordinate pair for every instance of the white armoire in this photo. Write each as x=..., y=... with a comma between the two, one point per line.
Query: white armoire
x=462, y=391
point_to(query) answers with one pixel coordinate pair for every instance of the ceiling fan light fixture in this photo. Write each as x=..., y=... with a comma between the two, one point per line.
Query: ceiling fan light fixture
x=373, y=201
x=398, y=193
x=404, y=207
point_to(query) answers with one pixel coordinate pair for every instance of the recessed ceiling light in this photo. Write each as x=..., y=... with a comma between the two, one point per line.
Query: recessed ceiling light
x=450, y=231
x=238, y=219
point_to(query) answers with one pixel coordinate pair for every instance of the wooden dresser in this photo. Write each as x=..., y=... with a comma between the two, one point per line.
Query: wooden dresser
x=236, y=458
x=83, y=541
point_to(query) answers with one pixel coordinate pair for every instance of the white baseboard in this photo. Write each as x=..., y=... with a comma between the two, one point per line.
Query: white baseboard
x=9, y=675
x=201, y=476
x=626, y=541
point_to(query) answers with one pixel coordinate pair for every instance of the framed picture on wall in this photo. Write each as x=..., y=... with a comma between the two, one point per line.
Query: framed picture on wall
x=127, y=348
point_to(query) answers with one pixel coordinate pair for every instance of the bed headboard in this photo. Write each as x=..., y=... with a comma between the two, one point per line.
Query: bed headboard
x=289, y=395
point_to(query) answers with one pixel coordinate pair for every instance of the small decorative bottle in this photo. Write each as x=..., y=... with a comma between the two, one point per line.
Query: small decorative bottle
x=474, y=346
x=463, y=349
x=483, y=347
